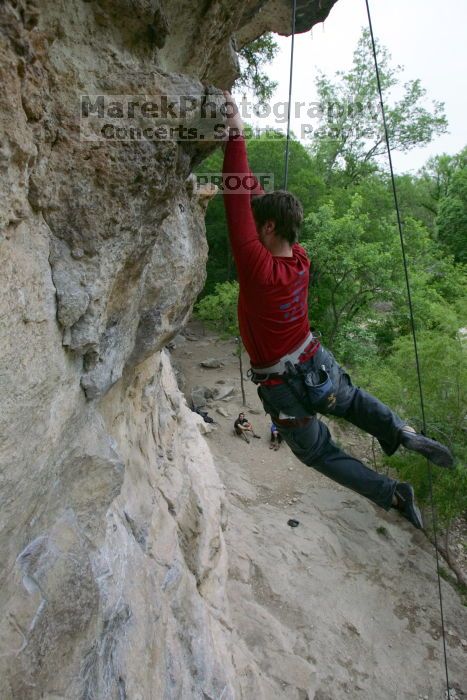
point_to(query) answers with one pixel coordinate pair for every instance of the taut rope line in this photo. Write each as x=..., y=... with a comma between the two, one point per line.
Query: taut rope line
x=414, y=335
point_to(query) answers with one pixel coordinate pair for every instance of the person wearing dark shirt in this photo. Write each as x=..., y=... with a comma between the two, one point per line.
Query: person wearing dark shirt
x=297, y=376
x=242, y=426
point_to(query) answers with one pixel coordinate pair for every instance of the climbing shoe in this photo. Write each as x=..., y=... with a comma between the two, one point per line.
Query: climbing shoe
x=406, y=505
x=434, y=451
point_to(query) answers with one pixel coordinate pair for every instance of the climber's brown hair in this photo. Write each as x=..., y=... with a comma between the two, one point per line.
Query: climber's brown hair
x=281, y=207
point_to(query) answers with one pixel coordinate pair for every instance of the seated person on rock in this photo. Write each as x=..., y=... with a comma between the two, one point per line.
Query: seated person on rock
x=297, y=377
x=242, y=426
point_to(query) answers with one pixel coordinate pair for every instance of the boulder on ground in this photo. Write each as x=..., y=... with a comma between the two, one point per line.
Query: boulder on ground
x=176, y=342
x=223, y=391
x=212, y=363
x=199, y=396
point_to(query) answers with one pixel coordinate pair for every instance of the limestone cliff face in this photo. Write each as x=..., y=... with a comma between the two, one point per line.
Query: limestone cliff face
x=113, y=560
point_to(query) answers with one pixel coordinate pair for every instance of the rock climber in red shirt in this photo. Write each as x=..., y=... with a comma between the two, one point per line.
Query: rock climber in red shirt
x=296, y=376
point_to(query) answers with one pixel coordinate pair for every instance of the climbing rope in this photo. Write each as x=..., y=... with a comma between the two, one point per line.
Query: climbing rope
x=407, y=282
x=414, y=335
x=289, y=104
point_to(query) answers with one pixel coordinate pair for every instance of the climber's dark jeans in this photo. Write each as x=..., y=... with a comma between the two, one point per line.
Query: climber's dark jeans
x=311, y=441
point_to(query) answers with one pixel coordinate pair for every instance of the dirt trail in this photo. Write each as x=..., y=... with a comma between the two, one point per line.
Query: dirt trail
x=344, y=605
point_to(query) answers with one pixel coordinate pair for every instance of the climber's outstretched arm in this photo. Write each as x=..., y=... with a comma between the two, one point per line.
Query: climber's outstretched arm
x=251, y=257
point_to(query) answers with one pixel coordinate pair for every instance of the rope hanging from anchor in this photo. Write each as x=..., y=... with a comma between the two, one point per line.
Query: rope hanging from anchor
x=406, y=273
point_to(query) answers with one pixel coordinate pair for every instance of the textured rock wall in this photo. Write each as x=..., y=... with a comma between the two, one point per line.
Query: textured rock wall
x=113, y=563
x=117, y=590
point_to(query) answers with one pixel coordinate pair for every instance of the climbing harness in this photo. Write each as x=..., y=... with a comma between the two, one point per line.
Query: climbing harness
x=407, y=282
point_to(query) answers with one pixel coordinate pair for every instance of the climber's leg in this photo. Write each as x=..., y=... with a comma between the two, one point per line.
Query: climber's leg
x=374, y=417
x=359, y=407
x=310, y=440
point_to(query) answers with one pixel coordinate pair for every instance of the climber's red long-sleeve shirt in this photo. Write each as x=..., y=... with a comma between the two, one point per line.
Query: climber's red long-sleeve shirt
x=273, y=300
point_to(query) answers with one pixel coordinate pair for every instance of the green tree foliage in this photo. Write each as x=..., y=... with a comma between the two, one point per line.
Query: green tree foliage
x=438, y=173
x=253, y=59
x=353, y=270
x=452, y=216
x=443, y=363
x=219, y=310
x=220, y=267
x=416, y=199
x=420, y=195
x=352, y=135
x=438, y=286
x=358, y=299
x=267, y=155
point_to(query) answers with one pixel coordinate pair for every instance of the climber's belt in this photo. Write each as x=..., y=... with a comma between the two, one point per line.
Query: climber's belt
x=292, y=422
x=310, y=383
x=304, y=352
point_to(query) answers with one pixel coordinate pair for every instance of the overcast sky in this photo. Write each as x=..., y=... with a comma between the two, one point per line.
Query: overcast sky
x=428, y=38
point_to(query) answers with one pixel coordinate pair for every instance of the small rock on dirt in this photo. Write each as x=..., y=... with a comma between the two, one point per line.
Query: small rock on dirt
x=190, y=336
x=212, y=363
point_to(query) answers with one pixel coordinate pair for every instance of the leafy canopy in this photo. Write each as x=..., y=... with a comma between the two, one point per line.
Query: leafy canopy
x=443, y=363
x=452, y=216
x=253, y=59
x=353, y=135
x=219, y=310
